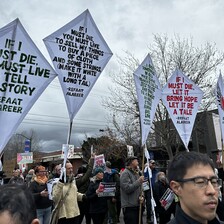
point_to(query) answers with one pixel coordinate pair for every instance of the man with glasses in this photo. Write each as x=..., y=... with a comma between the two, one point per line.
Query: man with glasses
x=220, y=174
x=192, y=178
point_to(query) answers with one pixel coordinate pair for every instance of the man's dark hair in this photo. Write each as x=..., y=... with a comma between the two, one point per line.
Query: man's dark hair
x=179, y=165
x=19, y=202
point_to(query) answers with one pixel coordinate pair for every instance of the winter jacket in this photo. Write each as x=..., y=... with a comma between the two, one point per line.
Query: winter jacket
x=181, y=217
x=97, y=204
x=41, y=202
x=159, y=190
x=113, y=176
x=28, y=179
x=16, y=180
x=153, y=177
x=69, y=208
x=130, y=188
x=82, y=181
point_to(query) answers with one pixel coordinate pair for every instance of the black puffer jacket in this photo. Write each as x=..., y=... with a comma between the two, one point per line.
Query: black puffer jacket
x=158, y=191
x=97, y=204
x=181, y=217
x=41, y=202
x=82, y=181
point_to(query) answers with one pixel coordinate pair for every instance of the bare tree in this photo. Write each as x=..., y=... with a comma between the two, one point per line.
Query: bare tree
x=17, y=143
x=198, y=63
x=105, y=144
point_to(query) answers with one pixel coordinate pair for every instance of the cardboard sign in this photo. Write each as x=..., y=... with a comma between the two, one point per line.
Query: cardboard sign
x=107, y=189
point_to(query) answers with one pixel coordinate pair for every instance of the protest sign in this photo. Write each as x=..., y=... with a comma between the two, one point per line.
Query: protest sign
x=99, y=162
x=220, y=105
x=148, y=93
x=220, y=102
x=130, y=150
x=79, y=54
x=25, y=158
x=167, y=198
x=181, y=98
x=145, y=185
x=107, y=189
x=50, y=185
x=24, y=75
x=67, y=151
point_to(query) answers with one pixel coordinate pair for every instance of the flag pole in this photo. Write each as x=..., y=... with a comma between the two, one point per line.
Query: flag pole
x=222, y=155
x=66, y=154
x=69, y=133
x=141, y=195
x=153, y=204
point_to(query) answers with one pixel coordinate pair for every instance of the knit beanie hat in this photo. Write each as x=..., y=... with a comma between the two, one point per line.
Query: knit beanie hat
x=98, y=170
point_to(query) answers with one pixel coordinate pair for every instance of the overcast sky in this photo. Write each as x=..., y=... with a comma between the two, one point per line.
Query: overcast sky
x=126, y=25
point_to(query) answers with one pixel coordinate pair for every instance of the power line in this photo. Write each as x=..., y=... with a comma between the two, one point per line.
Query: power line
x=63, y=125
x=60, y=122
x=60, y=117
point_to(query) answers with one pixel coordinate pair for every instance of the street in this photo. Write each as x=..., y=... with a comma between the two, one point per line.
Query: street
x=122, y=219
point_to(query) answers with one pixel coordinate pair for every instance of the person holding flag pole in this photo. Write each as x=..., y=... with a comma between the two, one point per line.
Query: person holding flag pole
x=149, y=94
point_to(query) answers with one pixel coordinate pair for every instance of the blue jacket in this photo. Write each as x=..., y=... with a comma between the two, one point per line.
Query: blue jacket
x=113, y=177
x=153, y=179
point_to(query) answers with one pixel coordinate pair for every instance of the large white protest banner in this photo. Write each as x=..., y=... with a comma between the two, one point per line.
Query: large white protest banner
x=220, y=105
x=181, y=98
x=24, y=75
x=148, y=93
x=220, y=102
x=79, y=54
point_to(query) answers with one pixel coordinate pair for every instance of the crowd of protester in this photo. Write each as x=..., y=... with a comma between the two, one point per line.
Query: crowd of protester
x=75, y=196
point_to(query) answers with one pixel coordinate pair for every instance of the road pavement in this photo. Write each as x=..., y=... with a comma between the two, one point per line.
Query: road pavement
x=122, y=219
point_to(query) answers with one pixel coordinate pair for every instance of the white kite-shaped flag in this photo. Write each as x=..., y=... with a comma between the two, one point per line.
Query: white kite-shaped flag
x=148, y=93
x=220, y=102
x=79, y=54
x=24, y=75
x=181, y=98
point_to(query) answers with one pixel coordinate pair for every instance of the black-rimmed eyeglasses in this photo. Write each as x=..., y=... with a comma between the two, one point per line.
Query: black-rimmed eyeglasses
x=202, y=182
